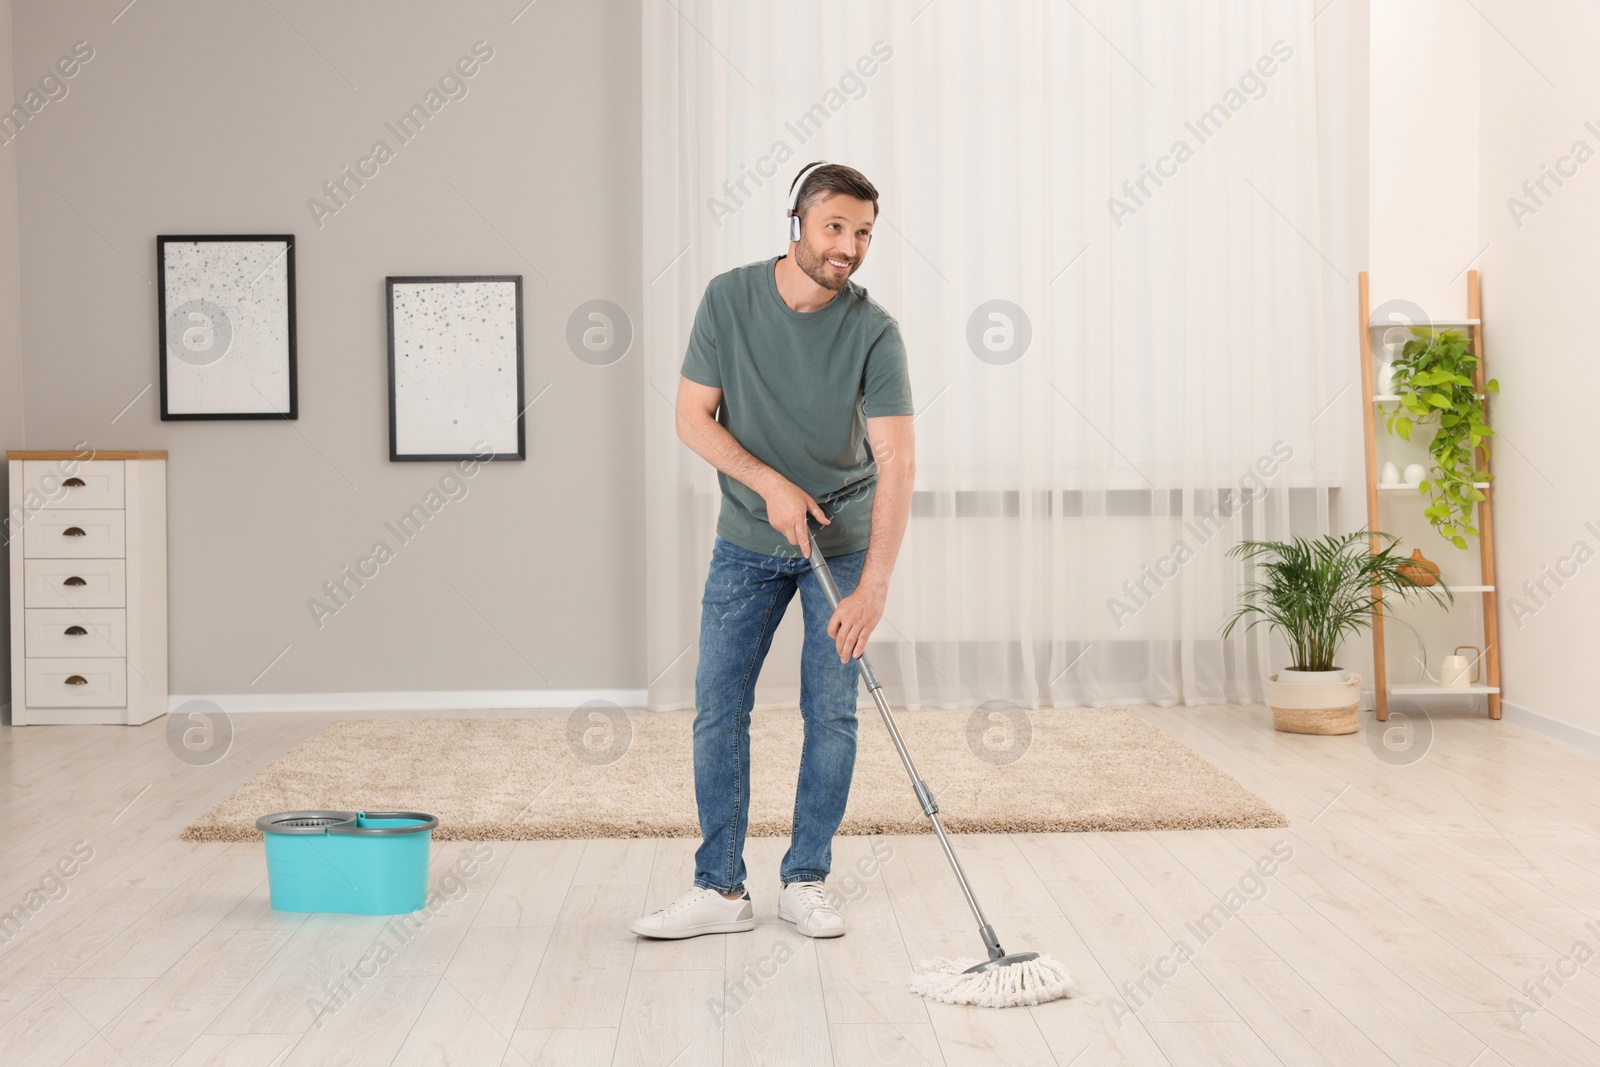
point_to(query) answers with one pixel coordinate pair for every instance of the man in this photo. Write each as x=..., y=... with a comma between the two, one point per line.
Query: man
x=815, y=424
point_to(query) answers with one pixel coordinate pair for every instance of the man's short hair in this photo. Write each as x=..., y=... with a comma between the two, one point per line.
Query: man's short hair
x=834, y=178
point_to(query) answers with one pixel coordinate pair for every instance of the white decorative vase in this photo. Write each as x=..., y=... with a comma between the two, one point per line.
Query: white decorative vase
x=1390, y=474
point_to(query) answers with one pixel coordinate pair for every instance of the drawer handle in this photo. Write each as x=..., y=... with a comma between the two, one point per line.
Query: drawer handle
x=73, y=531
x=77, y=679
x=74, y=483
x=74, y=580
x=75, y=631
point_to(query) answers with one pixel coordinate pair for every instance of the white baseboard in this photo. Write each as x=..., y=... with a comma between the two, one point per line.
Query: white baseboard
x=411, y=700
x=1576, y=736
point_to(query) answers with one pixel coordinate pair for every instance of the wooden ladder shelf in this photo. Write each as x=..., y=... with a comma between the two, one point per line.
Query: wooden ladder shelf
x=1484, y=514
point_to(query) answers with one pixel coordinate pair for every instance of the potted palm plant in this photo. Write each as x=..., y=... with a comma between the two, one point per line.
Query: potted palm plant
x=1316, y=594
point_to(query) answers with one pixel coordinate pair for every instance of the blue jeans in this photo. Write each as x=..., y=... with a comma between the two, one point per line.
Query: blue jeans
x=746, y=595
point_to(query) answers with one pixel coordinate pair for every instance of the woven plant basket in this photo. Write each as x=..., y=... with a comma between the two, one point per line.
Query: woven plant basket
x=1315, y=709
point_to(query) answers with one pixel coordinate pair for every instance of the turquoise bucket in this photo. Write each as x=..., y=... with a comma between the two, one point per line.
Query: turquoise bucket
x=363, y=863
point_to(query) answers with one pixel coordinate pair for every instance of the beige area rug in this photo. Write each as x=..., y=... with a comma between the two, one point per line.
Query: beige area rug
x=546, y=777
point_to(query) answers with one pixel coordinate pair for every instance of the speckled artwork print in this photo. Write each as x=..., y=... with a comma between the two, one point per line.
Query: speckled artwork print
x=227, y=308
x=455, y=367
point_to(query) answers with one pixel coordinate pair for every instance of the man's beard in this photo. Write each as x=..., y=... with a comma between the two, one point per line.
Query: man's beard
x=817, y=269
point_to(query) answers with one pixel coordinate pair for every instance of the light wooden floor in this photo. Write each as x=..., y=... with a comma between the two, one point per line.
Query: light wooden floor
x=1417, y=902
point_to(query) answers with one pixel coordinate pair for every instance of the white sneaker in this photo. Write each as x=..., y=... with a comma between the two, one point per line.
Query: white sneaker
x=806, y=905
x=699, y=911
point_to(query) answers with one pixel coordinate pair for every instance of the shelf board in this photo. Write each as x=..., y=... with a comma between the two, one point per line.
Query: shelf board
x=1379, y=398
x=1413, y=485
x=1439, y=690
x=1434, y=322
x=1453, y=589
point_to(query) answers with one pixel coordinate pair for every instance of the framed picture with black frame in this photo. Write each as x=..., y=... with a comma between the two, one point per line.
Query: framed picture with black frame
x=455, y=367
x=227, y=326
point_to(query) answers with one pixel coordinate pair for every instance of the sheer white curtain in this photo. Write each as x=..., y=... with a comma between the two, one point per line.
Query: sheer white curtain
x=1117, y=344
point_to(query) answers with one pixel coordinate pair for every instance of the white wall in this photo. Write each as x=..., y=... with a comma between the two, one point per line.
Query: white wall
x=1423, y=222
x=1471, y=108
x=1540, y=90
x=1422, y=230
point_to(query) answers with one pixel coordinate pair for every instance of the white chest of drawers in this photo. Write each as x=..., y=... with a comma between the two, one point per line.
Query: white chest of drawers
x=87, y=533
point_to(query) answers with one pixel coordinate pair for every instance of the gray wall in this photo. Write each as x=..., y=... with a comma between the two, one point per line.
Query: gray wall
x=10, y=333
x=207, y=118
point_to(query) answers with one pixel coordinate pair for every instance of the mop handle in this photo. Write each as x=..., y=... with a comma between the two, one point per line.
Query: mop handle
x=930, y=807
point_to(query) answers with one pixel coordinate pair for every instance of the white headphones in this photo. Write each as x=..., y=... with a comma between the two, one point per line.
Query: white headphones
x=794, y=198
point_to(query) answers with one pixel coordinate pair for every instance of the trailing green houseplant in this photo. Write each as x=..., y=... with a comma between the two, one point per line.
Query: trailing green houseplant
x=1316, y=594
x=1433, y=379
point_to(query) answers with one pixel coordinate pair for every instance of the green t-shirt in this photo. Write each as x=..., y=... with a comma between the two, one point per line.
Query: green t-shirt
x=797, y=389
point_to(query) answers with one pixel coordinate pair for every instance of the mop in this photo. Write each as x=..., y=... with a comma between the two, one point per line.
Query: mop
x=1002, y=980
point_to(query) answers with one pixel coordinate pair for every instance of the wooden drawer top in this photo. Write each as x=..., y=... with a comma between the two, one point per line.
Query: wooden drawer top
x=67, y=453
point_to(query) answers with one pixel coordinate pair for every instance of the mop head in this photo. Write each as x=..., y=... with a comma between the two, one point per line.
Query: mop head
x=1011, y=985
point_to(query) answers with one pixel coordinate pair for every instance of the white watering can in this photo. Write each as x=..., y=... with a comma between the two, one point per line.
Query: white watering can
x=1457, y=672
